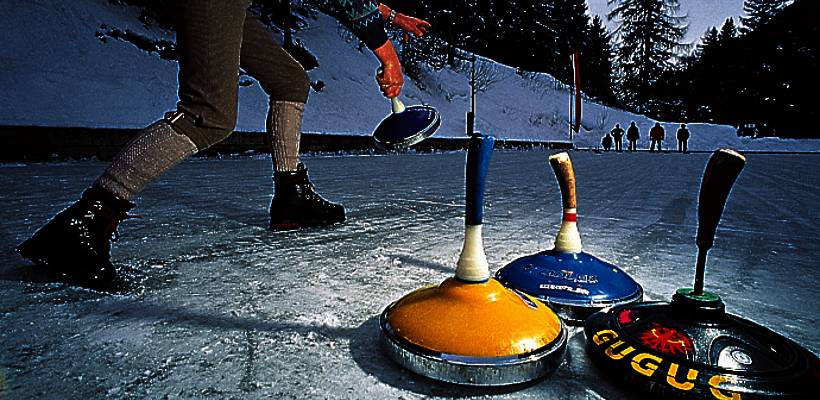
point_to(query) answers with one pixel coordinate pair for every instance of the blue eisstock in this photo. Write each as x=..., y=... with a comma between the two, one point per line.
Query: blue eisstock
x=478, y=161
x=571, y=279
x=574, y=283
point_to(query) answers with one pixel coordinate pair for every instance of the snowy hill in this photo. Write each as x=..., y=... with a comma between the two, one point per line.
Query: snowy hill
x=57, y=73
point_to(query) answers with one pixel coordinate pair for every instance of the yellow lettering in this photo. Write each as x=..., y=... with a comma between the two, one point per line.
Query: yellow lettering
x=673, y=372
x=621, y=354
x=604, y=336
x=714, y=382
x=648, y=368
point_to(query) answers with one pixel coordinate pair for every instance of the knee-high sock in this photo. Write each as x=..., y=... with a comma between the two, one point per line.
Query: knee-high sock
x=148, y=155
x=284, y=125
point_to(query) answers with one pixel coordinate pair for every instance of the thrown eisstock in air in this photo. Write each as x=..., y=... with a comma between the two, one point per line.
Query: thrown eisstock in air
x=470, y=329
x=691, y=348
x=573, y=282
x=405, y=126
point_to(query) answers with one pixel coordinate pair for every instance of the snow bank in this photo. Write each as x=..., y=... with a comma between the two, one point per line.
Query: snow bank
x=57, y=73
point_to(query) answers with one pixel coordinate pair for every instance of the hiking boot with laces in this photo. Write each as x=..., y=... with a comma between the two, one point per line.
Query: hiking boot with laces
x=76, y=243
x=296, y=204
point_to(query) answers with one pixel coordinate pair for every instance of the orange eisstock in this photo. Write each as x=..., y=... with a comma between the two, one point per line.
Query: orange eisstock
x=474, y=319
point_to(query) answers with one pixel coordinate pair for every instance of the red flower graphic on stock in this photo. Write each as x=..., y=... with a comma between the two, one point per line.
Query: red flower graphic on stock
x=666, y=340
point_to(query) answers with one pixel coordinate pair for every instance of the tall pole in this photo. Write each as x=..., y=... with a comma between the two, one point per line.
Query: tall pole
x=471, y=113
x=472, y=86
x=569, y=116
x=451, y=45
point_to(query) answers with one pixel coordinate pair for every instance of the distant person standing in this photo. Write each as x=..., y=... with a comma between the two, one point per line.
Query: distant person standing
x=617, y=137
x=606, y=141
x=632, y=135
x=683, y=139
x=656, y=135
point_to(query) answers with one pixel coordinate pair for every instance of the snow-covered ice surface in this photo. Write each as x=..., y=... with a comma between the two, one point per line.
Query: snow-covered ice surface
x=56, y=72
x=220, y=307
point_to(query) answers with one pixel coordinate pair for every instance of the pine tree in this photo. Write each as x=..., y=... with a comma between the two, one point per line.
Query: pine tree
x=650, y=34
x=728, y=31
x=598, y=62
x=540, y=36
x=709, y=42
x=474, y=24
x=509, y=25
x=759, y=13
x=567, y=22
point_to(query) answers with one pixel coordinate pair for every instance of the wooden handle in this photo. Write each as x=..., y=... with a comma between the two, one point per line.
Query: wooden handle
x=721, y=172
x=562, y=166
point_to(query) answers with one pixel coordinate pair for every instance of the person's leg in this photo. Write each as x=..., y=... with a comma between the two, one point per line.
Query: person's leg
x=148, y=155
x=209, y=38
x=76, y=242
x=287, y=85
x=295, y=203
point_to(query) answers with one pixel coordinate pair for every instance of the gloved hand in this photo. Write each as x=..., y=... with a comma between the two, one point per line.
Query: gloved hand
x=418, y=27
x=390, y=76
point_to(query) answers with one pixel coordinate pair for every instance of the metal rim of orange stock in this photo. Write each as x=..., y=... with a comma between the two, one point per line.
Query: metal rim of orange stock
x=477, y=334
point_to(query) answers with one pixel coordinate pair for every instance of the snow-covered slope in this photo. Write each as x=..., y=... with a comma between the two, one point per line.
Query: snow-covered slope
x=57, y=73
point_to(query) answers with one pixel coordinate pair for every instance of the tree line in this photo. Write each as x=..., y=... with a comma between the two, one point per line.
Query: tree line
x=759, y=73
x=758, y=70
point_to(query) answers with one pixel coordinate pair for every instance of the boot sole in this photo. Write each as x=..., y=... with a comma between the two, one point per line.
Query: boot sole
x=294, y=225
x=29, y=251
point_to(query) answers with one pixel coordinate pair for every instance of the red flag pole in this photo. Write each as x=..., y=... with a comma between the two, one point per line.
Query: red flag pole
x=571, y=94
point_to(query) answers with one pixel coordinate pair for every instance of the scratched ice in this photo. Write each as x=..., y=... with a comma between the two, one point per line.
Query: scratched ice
x=220, y=307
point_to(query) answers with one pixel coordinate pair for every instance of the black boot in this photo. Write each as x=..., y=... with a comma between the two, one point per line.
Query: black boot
x=296, y=205
x=76, y=242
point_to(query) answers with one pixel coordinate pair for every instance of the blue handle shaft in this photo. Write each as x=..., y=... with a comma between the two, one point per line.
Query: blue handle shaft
x=478, y=161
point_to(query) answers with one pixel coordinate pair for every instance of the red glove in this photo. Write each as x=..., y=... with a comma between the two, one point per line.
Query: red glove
x=390, y=77
x=418, y=27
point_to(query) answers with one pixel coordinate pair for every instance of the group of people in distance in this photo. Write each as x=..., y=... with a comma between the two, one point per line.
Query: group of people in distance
x=656, y=136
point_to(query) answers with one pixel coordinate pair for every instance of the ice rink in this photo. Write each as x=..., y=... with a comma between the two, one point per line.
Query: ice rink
x=217, y=306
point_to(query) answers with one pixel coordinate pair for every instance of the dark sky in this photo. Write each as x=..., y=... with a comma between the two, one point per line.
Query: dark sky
x=703, y=14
